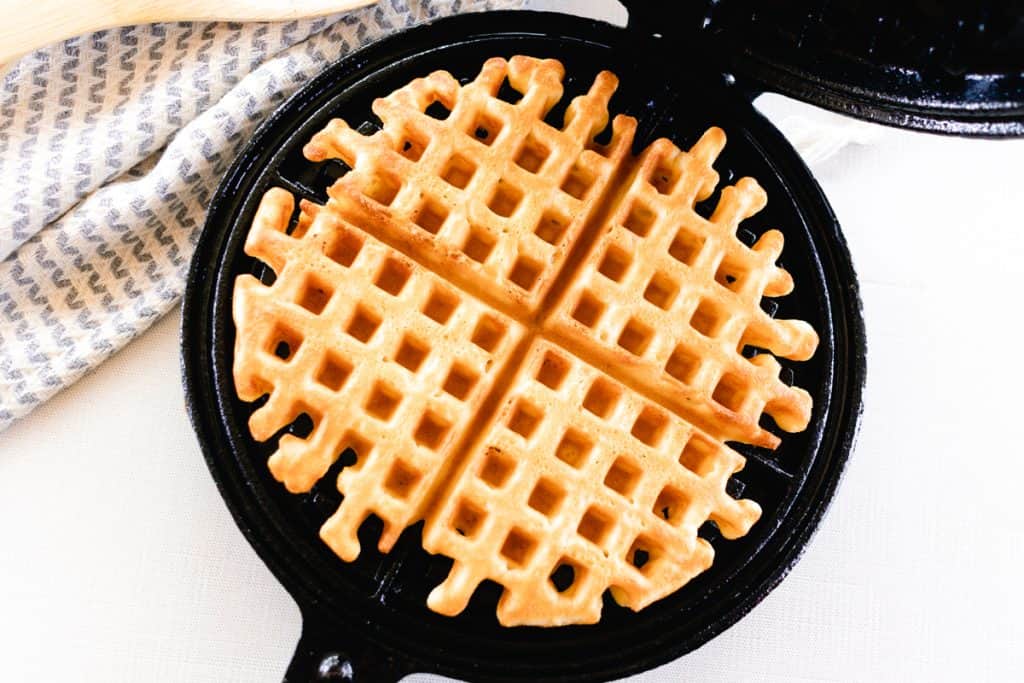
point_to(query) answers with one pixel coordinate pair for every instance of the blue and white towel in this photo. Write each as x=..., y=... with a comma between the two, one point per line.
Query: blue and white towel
x=111, y=146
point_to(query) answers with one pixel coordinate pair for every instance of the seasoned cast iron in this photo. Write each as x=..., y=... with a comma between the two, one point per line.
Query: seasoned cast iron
x=368, y=620
x=943, y=66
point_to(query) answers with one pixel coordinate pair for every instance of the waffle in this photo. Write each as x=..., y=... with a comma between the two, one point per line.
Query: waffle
x=609, y=495
x=491, y=195
x=678, y=298
x=531, y=342
x=384, y=357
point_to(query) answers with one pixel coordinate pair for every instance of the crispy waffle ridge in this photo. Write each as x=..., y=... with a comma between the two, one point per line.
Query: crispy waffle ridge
x=531, y=342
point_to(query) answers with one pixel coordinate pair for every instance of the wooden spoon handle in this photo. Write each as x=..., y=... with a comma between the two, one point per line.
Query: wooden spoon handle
x=29, y=24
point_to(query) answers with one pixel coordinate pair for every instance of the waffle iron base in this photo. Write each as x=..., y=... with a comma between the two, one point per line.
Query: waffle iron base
x=368, y=620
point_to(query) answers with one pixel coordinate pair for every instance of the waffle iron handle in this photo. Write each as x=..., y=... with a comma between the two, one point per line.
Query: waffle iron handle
x=326, y=655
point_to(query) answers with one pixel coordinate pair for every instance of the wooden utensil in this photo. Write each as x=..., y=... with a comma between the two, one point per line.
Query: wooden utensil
x=33, y=23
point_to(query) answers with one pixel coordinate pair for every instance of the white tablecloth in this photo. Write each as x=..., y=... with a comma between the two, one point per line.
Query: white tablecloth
x=119, y=561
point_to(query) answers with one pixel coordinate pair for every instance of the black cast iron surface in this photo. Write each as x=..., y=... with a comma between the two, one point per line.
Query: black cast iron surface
x=943, y=66
x=368, y=620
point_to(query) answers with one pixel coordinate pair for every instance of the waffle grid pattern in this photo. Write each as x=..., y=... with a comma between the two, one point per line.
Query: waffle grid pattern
x=491, y=191
x=354, y=357
x=558, y=451
x=679, y=297
x=625, y=504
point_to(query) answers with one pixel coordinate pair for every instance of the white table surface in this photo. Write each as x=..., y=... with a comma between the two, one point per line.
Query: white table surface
x=119, y=561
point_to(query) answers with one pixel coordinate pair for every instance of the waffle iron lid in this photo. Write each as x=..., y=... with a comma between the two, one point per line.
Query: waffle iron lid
x=950, y=66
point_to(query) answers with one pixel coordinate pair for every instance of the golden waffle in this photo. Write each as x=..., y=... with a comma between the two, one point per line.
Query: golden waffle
x=671, y=299
x=614, y=492
x=531, y=341
x=384, y=356
x=491, y=195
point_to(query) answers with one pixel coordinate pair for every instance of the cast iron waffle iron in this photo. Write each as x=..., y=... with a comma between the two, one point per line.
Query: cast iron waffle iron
x=943, y=66
x=368, y=620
